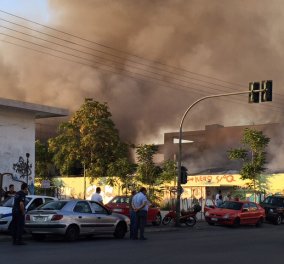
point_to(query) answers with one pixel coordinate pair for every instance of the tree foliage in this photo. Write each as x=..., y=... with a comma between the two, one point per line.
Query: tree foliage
x=125, y=170
x=44, y=168
x=89, y=139
x=253, y=156
x=152, y=175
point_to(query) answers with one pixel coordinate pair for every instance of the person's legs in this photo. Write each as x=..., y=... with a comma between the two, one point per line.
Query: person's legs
x=14, y=228
x=132, y=224
x=136, y=225
x=142, y=224
x=20, y=228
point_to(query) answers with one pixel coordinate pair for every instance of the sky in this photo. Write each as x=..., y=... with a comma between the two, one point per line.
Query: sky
x=149, y=60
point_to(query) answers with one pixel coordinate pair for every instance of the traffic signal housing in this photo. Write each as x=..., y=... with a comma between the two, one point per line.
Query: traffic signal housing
x=183, y=175
x=254, y=96
x=266, y=95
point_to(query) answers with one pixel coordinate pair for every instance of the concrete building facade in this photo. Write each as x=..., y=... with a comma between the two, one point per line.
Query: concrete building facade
x=17, y=140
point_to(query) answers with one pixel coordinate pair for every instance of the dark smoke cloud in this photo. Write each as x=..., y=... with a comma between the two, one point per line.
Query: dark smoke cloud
x=239, y=41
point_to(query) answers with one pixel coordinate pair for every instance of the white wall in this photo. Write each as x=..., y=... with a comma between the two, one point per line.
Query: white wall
x=17, y=137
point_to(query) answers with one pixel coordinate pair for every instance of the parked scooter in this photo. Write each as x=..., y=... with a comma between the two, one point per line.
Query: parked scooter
x=186, y=217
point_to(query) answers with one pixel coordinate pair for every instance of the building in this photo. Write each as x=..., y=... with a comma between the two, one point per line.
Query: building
x=204, y=153
x=17, y=140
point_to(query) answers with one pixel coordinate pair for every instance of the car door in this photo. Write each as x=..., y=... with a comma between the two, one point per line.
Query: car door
x=104, y=220
x=255, y=213
x=245, y=214
x=83, y=216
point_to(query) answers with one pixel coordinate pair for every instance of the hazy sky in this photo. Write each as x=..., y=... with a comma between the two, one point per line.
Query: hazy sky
x=209, y=47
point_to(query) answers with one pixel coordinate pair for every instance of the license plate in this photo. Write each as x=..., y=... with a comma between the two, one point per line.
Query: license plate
x=214, y=219
x=40, y=218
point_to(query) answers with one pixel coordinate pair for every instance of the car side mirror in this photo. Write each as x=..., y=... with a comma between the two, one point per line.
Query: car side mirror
x=245, y=209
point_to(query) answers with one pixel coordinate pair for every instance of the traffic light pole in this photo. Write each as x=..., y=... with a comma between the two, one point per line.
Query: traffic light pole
x=180, y=144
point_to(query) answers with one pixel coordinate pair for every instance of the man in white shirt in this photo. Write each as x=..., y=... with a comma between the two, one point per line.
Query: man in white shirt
x=97, y=196
x=140, y=205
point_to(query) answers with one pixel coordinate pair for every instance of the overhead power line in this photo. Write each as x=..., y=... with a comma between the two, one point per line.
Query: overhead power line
x=117, y=50
x=104, y=64
x=129, y=76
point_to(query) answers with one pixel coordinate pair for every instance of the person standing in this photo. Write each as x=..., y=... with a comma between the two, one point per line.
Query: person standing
x=132, y=214
x=219, y=199
x=11, y=191
x=97, y=196
x=18, y=215
x=140, y=205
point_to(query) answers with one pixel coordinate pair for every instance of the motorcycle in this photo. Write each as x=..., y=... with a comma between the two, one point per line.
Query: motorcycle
x=186, y=217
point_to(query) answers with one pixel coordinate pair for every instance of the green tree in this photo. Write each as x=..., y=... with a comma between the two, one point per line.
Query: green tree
x=148, y=173
x=44, y=167
x=89, y=139
x=253, y=156
x=169, y=172
x=125, y=170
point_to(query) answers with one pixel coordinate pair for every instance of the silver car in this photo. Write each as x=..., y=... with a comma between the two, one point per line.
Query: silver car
x=72, y=218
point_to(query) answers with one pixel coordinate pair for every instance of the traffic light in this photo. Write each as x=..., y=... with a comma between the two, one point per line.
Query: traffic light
x=254, y=96
x=183, y=175
x=266, y=96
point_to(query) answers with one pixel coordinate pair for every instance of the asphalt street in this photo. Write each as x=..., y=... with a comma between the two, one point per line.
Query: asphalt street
x=201, y=244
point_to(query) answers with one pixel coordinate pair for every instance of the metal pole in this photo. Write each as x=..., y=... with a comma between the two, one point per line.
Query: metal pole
x=84, y=182
x=27, y=167
x=180, y=146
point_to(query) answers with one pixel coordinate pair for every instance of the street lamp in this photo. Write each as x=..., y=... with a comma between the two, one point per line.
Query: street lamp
x=179, y=189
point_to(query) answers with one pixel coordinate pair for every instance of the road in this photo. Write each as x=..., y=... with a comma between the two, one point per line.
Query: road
x=202, y=244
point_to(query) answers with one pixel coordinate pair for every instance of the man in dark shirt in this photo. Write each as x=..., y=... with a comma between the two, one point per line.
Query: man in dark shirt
x=11, y=191
x=18, y=215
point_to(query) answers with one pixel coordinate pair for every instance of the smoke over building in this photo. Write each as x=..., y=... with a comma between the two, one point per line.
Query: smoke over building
x=124, y=49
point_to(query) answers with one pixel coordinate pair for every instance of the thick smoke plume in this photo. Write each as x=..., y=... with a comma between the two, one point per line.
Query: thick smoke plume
x=238, y=41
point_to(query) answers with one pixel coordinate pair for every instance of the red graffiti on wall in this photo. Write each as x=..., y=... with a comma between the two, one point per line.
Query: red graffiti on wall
x=209, y=178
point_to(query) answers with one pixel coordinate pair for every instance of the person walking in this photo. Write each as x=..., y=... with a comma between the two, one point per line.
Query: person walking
x=18, y=215
x=97, y=196
x=132, y=214
x=140, y=205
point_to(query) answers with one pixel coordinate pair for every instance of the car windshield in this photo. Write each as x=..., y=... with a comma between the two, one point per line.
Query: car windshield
x=120, y=199
x=55, y=205
x=231, y=205
x=274, y=200
x=9, y=202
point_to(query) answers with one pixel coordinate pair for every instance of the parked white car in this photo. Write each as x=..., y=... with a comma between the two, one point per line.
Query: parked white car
x=32, y=202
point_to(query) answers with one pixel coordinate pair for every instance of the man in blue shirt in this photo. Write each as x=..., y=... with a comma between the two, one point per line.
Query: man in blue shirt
x=140, y=205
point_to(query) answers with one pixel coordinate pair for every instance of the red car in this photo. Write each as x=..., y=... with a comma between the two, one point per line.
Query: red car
x=120, y=204
x=236, y=213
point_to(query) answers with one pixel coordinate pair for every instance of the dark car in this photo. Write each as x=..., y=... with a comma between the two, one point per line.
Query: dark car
x=274, y=209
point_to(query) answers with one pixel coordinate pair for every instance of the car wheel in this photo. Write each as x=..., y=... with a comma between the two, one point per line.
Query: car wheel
x=278, y=220
x=39, y=237
x=259, y=222
x=72, y=233
x=166, y=220
x=120, y=230
x=158, y=220
x=237, y=222
x=210, y=223
x=190, y=221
